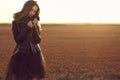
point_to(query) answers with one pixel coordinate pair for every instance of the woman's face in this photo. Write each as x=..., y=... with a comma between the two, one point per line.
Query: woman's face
x=33, y=11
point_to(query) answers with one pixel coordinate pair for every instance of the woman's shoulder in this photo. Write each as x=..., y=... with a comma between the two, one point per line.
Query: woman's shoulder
x=15, y=24
x=13, y=21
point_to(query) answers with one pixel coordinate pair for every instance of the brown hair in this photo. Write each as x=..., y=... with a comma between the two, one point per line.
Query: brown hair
x=25, y=10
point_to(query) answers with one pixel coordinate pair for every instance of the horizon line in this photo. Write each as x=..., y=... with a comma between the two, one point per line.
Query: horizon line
x=69, y=23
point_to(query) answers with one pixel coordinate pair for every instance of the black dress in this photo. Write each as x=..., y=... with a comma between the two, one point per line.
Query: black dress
x=27, y=60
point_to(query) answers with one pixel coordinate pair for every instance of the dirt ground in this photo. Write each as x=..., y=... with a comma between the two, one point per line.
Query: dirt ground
x=72, y=52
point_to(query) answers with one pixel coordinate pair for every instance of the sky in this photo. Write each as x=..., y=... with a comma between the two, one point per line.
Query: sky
x=66, y=11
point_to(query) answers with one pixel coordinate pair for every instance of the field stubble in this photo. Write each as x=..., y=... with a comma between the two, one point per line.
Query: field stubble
x=73, y=52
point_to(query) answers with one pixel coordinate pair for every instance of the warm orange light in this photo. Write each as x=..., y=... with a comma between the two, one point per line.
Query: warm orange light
x=67, y=11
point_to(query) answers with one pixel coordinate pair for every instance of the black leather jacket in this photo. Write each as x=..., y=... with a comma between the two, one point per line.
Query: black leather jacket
x=27, y=39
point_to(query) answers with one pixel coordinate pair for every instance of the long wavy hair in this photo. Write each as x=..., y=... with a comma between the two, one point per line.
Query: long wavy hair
x=19, y=16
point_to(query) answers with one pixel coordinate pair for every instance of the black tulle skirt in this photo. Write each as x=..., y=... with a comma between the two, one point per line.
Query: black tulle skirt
x=26, y=65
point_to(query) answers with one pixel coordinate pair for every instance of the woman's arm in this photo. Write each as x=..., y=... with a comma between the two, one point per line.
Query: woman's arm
x=19, y=36
x=36, y=35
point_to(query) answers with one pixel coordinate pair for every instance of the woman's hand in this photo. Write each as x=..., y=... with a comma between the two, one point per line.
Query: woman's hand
x=35, y=21
x=30, y=24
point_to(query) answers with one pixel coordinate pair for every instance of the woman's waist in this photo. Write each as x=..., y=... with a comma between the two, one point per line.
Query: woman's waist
x=28, y=47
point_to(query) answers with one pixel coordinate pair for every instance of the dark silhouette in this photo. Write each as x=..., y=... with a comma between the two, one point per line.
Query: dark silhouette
x=27, y=61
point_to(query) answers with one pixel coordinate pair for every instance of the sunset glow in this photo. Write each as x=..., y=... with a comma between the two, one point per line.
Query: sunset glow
x=67, y=11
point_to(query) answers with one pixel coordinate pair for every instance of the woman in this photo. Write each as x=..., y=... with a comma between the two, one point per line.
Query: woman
x=27, y=62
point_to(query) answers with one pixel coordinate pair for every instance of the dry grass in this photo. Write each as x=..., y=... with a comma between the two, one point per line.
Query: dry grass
x=73, y=52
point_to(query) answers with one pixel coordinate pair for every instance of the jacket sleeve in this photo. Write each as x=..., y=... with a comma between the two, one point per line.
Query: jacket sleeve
x=19, y=36
x=36, y=35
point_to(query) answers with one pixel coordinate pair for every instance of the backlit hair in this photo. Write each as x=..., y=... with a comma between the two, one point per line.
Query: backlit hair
x=25, y=10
